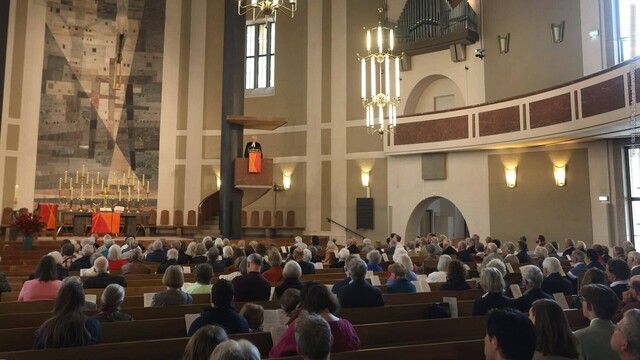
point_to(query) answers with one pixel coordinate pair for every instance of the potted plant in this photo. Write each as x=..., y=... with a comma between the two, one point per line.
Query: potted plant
x=30, y=226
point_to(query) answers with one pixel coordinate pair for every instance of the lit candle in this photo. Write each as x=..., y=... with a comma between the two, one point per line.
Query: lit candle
x=103, y=183
x=98, y=179
x=65, y=177
x=71, y=192
x=138, y=191
x=77, y=177
x=369, y=40
x=60, y=184
x=91, y=191
x=82, y=170
x=142, y=179
x=147, y=188
x=380, y=39
x=88, y=177
x=16, y=194
x=364, y=79
x=119, y=195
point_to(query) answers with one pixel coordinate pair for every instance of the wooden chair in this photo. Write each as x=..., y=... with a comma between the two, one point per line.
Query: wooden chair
x=291, y=218
x=7, y=219
x=178, y=221
x=164, y=221
x=255, y=218
x=279, y=220
x=266, y=218
x=153, y=221
x=192, y=222
x=243, y=218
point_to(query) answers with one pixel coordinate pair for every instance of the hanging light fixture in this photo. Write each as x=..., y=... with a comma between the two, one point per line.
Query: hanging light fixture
x=377, y=96
x=268, y=8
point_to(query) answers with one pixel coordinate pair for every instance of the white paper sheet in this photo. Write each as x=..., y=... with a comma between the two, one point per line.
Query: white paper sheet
x=453, y=305
x=148, y=297
x=375, y=280
x=189, y=319
x=515, y=291
x=283, y=249
x=561, y=300
x=369, y=274
x=385, y=257
x=91, y=298
x=318, y=266
x=186, y=269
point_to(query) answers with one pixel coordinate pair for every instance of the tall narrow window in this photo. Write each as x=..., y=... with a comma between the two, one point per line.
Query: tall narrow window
x=628, y=28
x=261, y=55
x=633, y=195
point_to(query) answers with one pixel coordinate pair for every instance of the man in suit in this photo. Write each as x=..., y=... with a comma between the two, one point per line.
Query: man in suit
x=392, y=246
x=252, y=286
x=221, y=312
x=633, y=260
x=182, y=257
x=569, y=246
x=599, y=306
x=532, y=279
x=359, y=293
x=103, y=279
x=464, y=254
x=353, y=246
x=626, y=337
x=554, y=283
x=342, y=283
x=510, y=335
x=135, y=266
x=630, y=298
x=618, y=275
x=172, y=259
x=306, y=266
x=85, y=261
x=252, y=146
x=579, y=267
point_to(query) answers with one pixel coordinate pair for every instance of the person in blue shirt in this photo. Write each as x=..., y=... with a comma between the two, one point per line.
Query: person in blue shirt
x=400, y=282
x=68, y=326
x=374, y=258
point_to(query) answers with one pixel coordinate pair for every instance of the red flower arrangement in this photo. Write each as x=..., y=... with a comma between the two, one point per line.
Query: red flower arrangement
x=28, y=223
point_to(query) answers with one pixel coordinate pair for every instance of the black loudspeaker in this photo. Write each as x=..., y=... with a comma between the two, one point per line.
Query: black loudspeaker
x=364, y=213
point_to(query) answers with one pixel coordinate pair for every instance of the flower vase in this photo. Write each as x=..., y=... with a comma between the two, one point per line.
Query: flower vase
x=27, y=241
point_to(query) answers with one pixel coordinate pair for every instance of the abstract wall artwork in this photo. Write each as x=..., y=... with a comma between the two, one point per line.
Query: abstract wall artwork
x=89, y=115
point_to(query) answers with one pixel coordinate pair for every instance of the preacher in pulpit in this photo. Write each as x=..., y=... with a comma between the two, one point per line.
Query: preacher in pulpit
x=252, y=146
x=253, y=151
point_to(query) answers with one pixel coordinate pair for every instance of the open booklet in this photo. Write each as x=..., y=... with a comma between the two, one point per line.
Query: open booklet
x=421, y=286
x=561, y=300
x=275, y=322
x=515, y=291
x=148, y=297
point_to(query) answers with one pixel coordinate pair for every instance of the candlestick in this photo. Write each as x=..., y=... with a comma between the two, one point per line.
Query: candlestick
x=147, y=187
x=103, y=183
x=98, y=178
x=88, y=177
x=143, y=180
x=128, y=194
x=60, y=184
x=77, y=177
x=119, y=195
x=138, y=191
x=91, y=191
x=83, y=170
x=65, y=176
x=71, y=192
x=82, y=191
x=71, y=184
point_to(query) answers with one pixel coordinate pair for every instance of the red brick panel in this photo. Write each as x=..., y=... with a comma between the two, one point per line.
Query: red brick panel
x=500, y=121
x=453, y=128
x=603, y=97
x=551, y=111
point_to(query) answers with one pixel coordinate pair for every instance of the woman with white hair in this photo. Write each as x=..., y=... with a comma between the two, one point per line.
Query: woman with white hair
x=374, y=258
x=367, y=246
x=342, y=256
x=155, y=253
x=116, y=262
x=291, y=274
x=542, y=253
x=492, y=282
x=405, y=260
x=219, y=244
x=112, y=297
x=441, y=274
x=227, y=256
x=191, y=250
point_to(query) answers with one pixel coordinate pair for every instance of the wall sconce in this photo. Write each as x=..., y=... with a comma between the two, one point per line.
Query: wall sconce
x=286, y=182
x=560, y=174
x=557, y=32
x=218, y=182
x=511, y=175
x=364, y=176
x=503, y=43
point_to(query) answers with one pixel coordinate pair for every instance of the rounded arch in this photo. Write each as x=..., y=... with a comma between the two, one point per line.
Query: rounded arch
x=425, y=86
x=415, y=219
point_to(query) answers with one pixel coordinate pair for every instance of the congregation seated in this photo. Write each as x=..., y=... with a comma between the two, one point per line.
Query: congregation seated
x=359, y=293
x=599, y=306
x=254, y=314
x=211, y=257
x=618, y=276
x=107, y=242
x=252, y=286
x=102, y=278
x=227, y=256
x=374, y=259
x=340, y=284
x=366, y=246
x=342, y=256
x=289, y=302
x=235, y=350
x=130, y=243
x=630, y=298
x=625, y=340
x=135, y=266
x=241, y=269
x=221, y=312
x=317, y=299
x=45, y=284
x=291, y=273
x=552, y=250
x=112, y=297
x=173, y=279
x=203, y=285
x=83, y=262
x=554, y=283
x=274, y=274
x=532, y=280
x=313, y=337
x=522, y=255
x=303, y=257
x=400, y=282
x=591, y=276
x=578, y=267
x=510, y=335
x=490, y=253
x=203, y=342
x=541, y=253
x=172, y=259
x=200, y=255
x=183, y=258
x=569, y=247
x=492, y=282
x=554, y=337
x=405, y=260
x=441, y=274
x=509, y=249
x=116, y=262
x=156, y=253
x=594, y=260
x=62, y=272
x=68, y=326
x=456, y=277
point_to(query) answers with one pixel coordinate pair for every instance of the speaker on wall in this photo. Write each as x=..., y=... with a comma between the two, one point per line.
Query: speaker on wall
x=364, y=213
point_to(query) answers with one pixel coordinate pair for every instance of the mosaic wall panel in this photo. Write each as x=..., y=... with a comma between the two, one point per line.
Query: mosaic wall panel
x=84, y=119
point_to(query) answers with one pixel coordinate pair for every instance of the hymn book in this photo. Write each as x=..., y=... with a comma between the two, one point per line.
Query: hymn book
x=561, y=300
x=148, y=298
x=515, y=291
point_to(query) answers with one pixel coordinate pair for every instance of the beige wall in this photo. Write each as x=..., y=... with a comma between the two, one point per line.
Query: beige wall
x=536, y=205
x=533, y=62
x=378, y=189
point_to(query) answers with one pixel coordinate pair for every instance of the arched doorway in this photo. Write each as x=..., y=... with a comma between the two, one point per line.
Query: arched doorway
x=434, y=93
x=437, y=215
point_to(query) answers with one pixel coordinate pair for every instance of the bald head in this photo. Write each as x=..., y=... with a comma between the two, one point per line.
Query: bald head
x=101, y=264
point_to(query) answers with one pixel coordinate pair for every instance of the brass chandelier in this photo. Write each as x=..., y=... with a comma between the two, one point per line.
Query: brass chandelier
x=377, y=97
x=268, y=8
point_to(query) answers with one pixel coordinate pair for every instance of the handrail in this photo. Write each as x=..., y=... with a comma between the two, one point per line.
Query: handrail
x=346, y=228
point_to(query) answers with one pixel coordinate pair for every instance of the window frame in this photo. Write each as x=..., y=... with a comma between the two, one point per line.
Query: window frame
x=269, y=56
x=629, y=198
